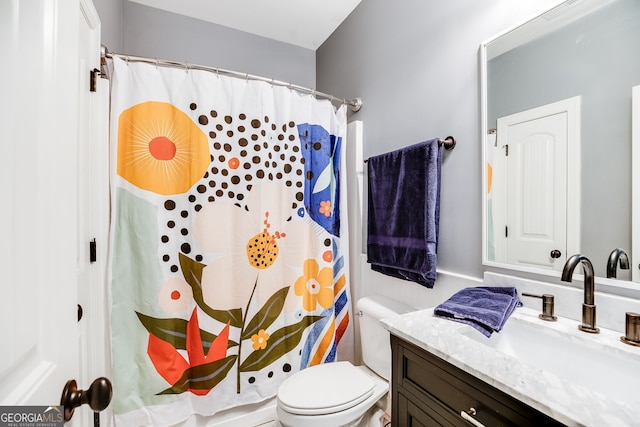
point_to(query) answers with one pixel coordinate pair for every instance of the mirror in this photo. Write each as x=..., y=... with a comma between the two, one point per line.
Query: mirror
x=582, y=53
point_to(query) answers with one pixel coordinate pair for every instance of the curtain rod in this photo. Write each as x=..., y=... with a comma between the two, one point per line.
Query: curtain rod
x=355, y=104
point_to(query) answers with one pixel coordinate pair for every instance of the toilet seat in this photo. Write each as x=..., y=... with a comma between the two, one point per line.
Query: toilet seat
x=336, y=387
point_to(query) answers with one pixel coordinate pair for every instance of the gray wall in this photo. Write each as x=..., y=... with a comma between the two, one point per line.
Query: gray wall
x=110, y=13
x=595, y=58
x=415, y=65
x=155, y=33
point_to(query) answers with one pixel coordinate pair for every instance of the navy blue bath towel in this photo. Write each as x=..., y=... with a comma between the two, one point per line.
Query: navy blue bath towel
x=404, y=212
x=485, y=308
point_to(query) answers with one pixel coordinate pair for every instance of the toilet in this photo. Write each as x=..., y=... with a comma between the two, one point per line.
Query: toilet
x=340, y=394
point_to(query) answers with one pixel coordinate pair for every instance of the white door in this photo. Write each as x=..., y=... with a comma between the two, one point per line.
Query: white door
x=39, y=42
x=537, y=147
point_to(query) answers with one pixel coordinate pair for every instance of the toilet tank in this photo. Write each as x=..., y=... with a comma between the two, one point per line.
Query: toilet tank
x=374, y=338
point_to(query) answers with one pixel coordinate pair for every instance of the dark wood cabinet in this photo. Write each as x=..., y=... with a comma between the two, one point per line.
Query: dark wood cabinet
x=428, y=391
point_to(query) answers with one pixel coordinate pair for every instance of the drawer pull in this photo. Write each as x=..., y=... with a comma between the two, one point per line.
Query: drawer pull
x=469, y=417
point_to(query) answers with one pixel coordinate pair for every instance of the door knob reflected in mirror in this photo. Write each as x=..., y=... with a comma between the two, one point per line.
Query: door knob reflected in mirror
x=98, y=396
x=555, y=254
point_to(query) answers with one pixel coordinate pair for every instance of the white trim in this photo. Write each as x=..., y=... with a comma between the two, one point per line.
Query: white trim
x=94, y=339
x=496, y=39
x=537, y=25
x=485, y=141
x=90, y=14
x=574, y=169
x=355, y=172
x=635, y=185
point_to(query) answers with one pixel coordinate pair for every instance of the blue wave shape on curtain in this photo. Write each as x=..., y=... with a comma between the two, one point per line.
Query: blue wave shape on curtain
x=321, y=152
x=314, y=335
x=338, y=265
x=341, y=303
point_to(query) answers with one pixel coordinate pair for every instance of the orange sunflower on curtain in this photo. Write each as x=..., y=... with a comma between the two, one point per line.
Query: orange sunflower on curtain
x=160, y=149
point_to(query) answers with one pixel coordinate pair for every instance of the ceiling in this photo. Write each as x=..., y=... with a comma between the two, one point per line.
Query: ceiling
x=304, y=23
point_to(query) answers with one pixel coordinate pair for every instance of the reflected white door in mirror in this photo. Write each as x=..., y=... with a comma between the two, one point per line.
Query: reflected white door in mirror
x=535, y=167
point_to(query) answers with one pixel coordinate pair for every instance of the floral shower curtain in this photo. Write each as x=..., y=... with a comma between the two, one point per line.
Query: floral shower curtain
x=229, y=251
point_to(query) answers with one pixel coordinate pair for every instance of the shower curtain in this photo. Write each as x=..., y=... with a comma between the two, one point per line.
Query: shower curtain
x=229, y=241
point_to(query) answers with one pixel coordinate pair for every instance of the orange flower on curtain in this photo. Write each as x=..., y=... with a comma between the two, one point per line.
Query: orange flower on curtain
x=160, y=149
x=195, y=373
x=325, y=208
x=315, y=286
x=260, y=340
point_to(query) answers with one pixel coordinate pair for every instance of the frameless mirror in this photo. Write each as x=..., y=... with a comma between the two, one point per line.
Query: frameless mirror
x=557, y=134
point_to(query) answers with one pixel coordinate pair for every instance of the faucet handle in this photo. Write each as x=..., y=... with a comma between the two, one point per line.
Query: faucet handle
x=547, y=306
x=632, y=329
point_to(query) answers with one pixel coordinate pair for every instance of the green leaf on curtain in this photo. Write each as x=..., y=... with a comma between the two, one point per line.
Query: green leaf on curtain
x=280, y=343
x=174, y=331
x=267, y=314
x=202, y=377
x=192, y=272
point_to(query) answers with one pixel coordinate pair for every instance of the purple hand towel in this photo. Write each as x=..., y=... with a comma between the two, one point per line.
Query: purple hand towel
x=485, y=308
x=404, y=212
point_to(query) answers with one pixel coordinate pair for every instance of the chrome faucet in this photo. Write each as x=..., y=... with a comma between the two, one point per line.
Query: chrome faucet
x=588, y=306
x=612, y=263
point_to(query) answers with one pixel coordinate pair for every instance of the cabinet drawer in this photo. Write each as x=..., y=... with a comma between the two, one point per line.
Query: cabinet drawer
x=423, y=415
x=425, y=377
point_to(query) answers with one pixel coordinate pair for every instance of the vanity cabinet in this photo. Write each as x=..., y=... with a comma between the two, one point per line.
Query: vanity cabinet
x=427, y=391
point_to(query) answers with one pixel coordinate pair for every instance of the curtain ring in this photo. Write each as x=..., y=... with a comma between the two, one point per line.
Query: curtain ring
x=156, y=63
x=218, y=72
x=186, y=66
x=272, y=81
x=313, y=93
x=127, y=60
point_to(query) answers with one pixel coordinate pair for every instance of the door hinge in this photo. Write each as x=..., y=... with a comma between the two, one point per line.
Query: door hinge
x=506, y=231
x=93, y=79
x=93, y=257
x=494, y=132
x=506, y=150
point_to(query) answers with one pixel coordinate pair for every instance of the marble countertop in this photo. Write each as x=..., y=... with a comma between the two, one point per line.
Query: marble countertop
x=567, y=402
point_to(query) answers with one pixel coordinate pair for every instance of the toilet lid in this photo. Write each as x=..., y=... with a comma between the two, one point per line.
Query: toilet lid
x=325, y=389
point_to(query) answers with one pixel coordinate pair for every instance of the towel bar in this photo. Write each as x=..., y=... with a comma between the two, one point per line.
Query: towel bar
x=449, y=144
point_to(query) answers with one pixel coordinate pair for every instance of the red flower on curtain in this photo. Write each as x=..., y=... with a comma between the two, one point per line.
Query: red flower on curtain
x=183, y=373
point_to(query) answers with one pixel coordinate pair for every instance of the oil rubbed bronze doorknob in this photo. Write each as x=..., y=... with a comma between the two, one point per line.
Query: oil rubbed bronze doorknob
x=555, y=253
x=98, y=396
